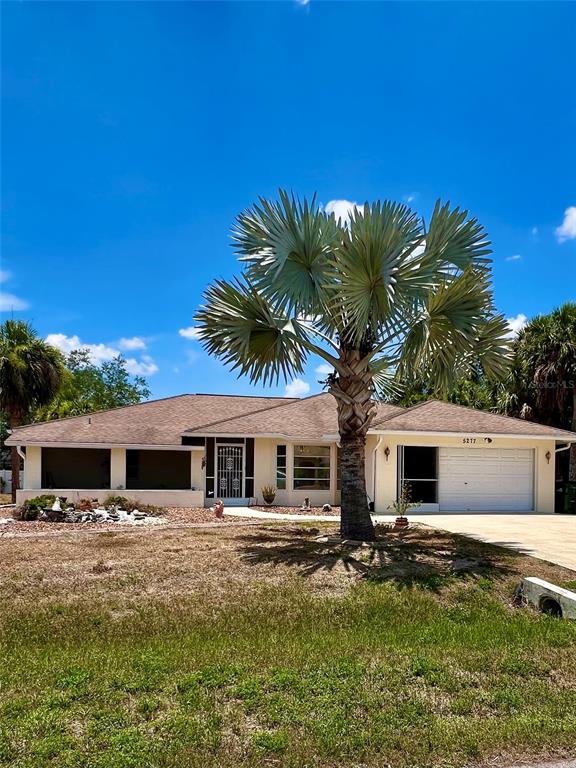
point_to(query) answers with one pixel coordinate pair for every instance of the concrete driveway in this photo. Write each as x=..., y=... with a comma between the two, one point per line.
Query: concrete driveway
x=549, y=537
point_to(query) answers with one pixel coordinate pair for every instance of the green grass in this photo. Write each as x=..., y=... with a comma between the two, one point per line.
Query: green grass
x=284, y=674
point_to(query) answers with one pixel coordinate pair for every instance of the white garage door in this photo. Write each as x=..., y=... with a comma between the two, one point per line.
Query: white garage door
x=486, y=480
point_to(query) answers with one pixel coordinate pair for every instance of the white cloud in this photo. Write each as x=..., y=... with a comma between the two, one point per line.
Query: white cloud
x=144, y=367
x=410, y=198
x=8, y=301
x=302, y=2
x=516, y=324
x=190, y=333
x=342, y=209
x=100, y=353
x=11, y=303
x=324, y=369
x=534, y=231
x=135, y=342
x=516, y=257
x=567, y=230
x=297, y=388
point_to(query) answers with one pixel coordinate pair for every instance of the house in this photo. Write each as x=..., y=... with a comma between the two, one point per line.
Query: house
x=187, y=450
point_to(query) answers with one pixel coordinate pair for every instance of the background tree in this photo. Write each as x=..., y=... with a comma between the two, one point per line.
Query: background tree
x=376, y=297
x=543, y=379
x=30, y=375
x=475, y=390
x=87, y=387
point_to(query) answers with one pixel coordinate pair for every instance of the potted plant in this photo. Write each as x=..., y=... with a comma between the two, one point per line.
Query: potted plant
x=268, y=493
x=402, y=506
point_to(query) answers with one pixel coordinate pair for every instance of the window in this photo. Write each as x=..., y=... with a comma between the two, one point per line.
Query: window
x=419, y=468
x=281, y=467
x=312, y=467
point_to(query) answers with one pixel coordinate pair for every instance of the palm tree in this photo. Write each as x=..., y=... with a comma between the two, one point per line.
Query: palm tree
x=378, y=297
x=545, y=371
x=30, y=375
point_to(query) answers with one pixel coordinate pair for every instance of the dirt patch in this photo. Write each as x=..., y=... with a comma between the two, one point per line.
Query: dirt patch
x=335, y=511
x=127, y=567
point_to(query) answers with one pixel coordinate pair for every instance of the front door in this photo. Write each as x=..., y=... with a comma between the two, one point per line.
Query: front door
x=230, y=462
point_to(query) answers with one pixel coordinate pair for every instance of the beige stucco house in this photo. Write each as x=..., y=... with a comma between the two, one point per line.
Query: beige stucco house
x=190, y=449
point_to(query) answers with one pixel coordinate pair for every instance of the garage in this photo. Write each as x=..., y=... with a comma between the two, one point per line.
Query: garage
x=486, y=479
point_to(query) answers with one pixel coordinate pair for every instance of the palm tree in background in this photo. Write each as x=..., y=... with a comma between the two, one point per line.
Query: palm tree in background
x=381, y=297
x=544, y=371
x=30, y=375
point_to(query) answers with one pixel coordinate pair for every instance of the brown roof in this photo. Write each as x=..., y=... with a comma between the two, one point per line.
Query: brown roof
x=311, y=418
x=163, y=422
x=439, y=416
x=158, y=422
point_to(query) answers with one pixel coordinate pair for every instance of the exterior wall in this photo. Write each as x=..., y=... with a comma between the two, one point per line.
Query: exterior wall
x=197, y=473
x=160, y=498
x=387, y=469
x=32, y=477
x=265, y=474
x=118, y=468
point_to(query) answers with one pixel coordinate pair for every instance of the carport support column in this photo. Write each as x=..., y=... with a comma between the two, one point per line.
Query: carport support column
x=117, y=468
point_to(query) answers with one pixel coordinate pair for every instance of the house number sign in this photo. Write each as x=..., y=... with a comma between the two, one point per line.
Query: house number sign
x=472, y=440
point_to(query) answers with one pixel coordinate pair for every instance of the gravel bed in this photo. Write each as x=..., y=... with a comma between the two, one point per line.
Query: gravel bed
x=335, y=511
x=191, y=515
x=171, y=515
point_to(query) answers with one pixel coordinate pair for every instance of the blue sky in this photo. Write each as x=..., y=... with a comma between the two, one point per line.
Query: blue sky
x=133, y=133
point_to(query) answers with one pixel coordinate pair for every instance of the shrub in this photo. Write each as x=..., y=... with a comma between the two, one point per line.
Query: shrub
x=117, y=501
x=32, y=507
x=129, y=504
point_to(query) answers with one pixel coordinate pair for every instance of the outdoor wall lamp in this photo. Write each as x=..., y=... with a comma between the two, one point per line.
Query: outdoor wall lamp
x=548, y=456
x=387, y=452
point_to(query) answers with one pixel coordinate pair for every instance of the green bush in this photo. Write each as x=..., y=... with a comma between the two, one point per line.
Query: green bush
x=32, y=507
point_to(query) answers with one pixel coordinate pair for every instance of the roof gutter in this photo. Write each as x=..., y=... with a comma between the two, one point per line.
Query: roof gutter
x=374, y=452
x=128, y=446
x=504, y=435
x=563, y=448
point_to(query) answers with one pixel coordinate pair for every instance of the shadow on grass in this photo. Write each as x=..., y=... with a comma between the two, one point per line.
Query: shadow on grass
x=418, y=557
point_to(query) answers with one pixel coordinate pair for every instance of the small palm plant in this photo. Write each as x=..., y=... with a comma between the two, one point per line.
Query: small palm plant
x=404, y=503
x=380, y=297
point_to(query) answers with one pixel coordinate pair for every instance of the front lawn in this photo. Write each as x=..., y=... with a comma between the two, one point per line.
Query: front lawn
x=260, y=646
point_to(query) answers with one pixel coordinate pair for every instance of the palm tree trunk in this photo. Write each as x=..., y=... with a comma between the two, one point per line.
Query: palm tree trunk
x=14, y=461
x=353, y=393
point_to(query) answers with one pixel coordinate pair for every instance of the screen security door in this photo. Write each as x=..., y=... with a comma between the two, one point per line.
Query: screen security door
x=230, y=462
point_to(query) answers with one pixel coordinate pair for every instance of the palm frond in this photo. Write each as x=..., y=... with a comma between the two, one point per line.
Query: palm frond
x=454, y=240
x=238, y=326
x=387, y=385
x=443, y=343
x=287, y=245
x=373, y=263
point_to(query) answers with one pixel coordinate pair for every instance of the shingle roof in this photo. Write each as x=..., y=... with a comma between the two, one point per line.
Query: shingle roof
x=158, y=422
x=439, y=416
x=163, y=422
x=310, y=418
